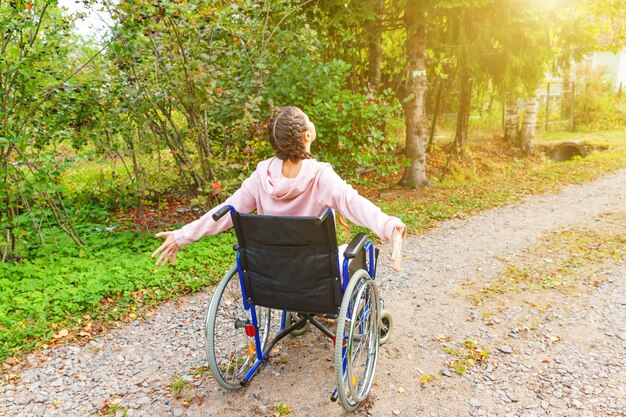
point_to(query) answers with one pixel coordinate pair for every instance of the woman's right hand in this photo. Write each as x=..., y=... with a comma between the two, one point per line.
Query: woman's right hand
x=169, y=249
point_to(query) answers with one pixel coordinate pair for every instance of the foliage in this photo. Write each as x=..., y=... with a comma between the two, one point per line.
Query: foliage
x=105, y=182
x=38, y=105
x=596, y=106
x=345, y=28
x=282, y=409
x=610, y=22
x=111, y=276
x=220, y=70
x=522, y=51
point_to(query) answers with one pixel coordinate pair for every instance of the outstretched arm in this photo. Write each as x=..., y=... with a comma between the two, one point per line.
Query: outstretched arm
x=244, y=200
x=339, y=195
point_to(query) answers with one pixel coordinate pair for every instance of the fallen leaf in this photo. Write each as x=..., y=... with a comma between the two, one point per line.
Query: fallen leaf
x=62, y=333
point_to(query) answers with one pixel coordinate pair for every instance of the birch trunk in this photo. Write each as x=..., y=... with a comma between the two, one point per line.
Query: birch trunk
x=416, y=122
x=529, y=126
x=511, y=128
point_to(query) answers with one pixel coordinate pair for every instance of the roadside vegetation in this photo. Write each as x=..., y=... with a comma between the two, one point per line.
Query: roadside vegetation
x=61, y=291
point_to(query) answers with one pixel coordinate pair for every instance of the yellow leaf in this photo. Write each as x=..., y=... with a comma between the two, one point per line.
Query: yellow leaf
x=401, y=390
x=62, y=333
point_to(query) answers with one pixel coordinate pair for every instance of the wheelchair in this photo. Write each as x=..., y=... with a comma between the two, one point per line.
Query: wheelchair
x=290, y=266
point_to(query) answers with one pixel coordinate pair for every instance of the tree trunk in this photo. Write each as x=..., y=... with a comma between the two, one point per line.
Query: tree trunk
x=462, y=120
x=529, y=125
x=375, y=35
x=511, y=128
x=416, y=122
x=433, y=124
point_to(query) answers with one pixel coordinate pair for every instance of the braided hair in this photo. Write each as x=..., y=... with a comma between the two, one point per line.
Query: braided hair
x=285, y=131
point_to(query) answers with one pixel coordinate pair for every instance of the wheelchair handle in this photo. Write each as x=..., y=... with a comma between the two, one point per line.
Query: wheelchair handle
x=357, y=244
x=220, y=213
x=322, y=216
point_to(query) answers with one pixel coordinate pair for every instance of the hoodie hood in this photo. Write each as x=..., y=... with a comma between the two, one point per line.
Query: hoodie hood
x=282, y=188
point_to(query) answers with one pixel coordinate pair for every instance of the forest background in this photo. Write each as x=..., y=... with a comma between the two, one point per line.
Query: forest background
x=433, y=109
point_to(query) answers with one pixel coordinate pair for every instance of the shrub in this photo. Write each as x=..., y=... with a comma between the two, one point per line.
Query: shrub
x=596, y=105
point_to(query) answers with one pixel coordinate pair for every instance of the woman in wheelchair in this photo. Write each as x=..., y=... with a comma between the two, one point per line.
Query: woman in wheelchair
x=283, y=240
x=292, y=183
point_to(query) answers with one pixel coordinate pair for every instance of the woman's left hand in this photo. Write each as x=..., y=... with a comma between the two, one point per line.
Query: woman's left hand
x=396, y=245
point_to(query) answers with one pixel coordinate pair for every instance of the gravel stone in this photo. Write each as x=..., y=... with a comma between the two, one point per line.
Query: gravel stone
x=505, y=349
x=475, y=402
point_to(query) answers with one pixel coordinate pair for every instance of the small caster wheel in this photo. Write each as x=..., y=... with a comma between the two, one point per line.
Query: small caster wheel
x=386, y=326
x=291, y=318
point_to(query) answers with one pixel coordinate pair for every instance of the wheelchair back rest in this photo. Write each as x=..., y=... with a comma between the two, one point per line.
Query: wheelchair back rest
x=289, y=263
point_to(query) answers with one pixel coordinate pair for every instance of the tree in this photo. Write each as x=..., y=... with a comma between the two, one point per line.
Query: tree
x=521, y=56
x=460, y=34
x=416, y=122
x=36, y=92
x=375, y=35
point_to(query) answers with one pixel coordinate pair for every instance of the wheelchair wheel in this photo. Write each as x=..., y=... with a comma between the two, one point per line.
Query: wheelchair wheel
x=230, y=352
x=357, y=340
x=386, y=326
x=291, y=318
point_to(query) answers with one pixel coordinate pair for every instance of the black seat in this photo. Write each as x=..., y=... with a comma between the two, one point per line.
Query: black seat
x=289, y=263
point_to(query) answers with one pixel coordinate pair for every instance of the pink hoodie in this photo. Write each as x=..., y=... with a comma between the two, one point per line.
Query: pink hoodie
x=316, y=187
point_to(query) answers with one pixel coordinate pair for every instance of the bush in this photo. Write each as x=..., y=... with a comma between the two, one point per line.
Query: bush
x=596, y=105
x=350, y=126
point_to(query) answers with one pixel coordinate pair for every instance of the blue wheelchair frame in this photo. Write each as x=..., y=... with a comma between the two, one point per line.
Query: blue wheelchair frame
x=360, y=242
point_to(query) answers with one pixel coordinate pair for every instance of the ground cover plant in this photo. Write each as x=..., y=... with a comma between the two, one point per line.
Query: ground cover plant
x=62, y=291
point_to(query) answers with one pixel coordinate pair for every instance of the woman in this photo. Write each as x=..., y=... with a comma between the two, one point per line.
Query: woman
x=292, y=183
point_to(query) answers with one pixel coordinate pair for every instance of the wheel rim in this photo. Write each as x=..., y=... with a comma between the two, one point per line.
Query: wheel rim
x=357, y=340
x=362, y=343
x=231, y=353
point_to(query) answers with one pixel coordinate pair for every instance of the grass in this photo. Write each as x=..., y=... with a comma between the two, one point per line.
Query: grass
x=282, y=409
x=178, y=386
x=62, y=292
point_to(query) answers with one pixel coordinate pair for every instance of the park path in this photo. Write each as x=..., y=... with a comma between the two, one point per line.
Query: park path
x=565, y=357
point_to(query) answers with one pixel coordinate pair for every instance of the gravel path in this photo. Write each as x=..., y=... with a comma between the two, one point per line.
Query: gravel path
x=565, y=357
